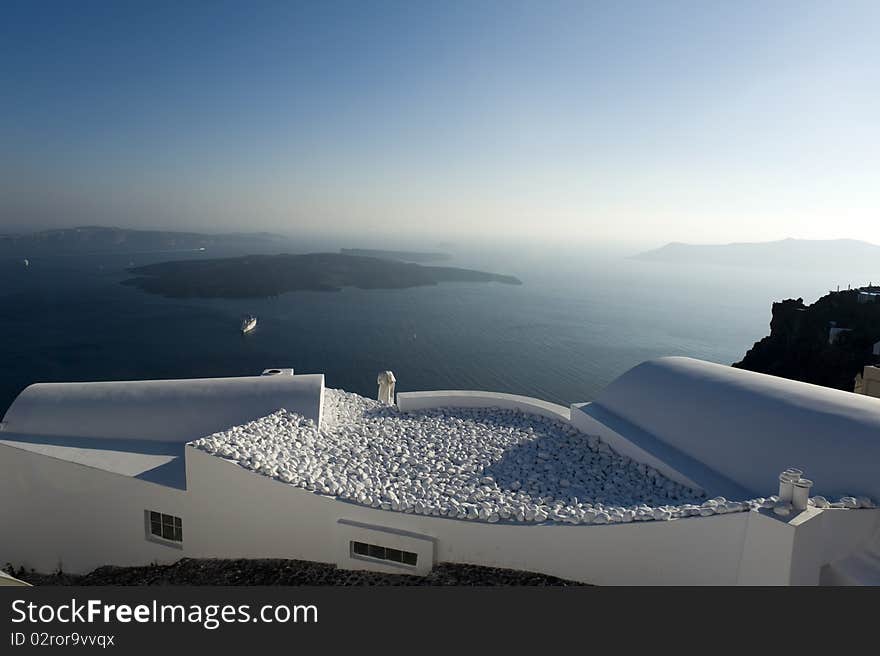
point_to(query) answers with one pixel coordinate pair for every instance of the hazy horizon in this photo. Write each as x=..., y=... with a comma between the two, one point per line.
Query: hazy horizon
x=437, y=242
x=633, y=125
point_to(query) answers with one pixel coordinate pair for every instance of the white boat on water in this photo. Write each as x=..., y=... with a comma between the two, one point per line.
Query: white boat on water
x=248, y=324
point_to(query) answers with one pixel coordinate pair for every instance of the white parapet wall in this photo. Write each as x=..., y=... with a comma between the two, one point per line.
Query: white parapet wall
x=73, y=511
x=89, y=518
x=410, y=401
x=748, y=547
x=163, y=410
x=58, y=514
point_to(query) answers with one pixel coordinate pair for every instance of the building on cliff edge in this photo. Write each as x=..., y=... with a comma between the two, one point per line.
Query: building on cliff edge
x=675, y=464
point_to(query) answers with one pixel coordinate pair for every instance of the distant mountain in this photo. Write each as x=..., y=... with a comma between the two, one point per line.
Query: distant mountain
x=94, y=239
x=785, y=253
x=403, y=256
x=256, y=276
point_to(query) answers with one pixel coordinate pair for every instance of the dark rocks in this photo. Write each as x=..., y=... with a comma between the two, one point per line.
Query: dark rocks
x=191, y=571
x=798, y=346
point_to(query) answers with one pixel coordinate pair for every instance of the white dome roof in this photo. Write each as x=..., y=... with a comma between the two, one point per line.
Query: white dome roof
x=750, y=426
x=165, y=410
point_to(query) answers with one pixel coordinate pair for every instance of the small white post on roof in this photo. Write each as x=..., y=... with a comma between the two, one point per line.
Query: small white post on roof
x=801, y=494
x=386, y=382
x=786, y=483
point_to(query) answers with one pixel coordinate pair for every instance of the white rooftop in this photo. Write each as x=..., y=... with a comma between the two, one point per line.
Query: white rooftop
x=706, y=426
x=149, y=460
x=162, y=410
x=468, y=463
x=139, y=428
x=745, y=426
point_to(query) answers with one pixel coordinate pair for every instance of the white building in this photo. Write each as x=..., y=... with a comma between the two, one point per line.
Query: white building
x=10, y=581
x=868, y=382
x=98, y=474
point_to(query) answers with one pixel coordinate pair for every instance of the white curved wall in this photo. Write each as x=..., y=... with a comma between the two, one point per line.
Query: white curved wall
x=744, y=425
x=58, y=514
x=90, y=518
x=749, y=426
x=166, y=410
x=407, y=401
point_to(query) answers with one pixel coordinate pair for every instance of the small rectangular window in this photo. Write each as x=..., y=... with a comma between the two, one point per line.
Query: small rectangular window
x=378, y=552
x=167, y=527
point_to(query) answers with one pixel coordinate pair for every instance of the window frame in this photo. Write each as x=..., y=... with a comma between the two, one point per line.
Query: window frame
x=170, y=528
x=379, y=554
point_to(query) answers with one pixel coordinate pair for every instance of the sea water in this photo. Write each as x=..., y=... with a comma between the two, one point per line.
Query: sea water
x=581, y=318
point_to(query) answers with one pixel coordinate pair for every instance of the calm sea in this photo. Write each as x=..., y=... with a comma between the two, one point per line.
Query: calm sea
x=579, y=320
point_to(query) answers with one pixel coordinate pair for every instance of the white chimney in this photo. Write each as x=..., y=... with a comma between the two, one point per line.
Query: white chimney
x=801, y=493
x=386, y=382
x=786, y=483
x=277, y=372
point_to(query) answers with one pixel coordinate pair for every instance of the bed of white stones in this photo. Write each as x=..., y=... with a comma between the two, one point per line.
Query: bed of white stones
x=482, y=464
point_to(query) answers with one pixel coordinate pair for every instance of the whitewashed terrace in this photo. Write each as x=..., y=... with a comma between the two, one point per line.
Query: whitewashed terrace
x=480, y=464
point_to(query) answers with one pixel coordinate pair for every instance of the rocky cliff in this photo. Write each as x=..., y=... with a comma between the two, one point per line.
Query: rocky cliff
x=798, y=346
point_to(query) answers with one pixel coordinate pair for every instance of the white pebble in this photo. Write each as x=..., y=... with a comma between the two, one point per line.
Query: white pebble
x=478, y=464
x=782, y=508
x=820, y=502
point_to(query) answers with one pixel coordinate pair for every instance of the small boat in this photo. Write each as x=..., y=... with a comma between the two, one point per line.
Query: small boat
x=26, y=263
x=248, y=324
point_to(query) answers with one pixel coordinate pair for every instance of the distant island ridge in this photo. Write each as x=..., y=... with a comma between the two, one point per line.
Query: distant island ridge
x=786, y=253
x=97, y=240
x=261, y=276
x=86, y=240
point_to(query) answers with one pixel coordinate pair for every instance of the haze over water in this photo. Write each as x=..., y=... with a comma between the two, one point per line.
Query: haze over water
x=580, y=319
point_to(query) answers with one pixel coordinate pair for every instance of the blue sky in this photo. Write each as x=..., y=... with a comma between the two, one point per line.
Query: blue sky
x=654, y=121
